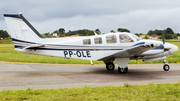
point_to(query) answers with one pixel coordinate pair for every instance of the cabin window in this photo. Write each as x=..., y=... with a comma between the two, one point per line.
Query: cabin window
x=98, y=40
x=125, y=38
x=111, y=39
x=86, y=41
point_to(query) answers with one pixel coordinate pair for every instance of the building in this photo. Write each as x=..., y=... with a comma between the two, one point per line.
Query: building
x=73, y=36
x=54, y=34
x=178, y=38
x=142, y=36
x=156, y=37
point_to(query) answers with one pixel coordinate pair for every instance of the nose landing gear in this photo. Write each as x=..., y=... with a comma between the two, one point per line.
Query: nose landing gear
x=166, y=67
x=123, y=70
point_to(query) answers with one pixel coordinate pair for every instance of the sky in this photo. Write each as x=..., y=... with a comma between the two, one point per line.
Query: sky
x=139, y=16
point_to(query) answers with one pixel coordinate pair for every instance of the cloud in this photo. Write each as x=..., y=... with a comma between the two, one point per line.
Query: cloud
x=137, y=15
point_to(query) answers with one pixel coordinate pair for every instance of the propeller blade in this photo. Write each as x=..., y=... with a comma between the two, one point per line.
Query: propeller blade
x=163, y=38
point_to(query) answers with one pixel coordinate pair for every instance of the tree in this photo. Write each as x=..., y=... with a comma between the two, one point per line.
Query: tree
x=61, y=30
x=150, y=32
x=3, y=34
x=123, y=30
x=169, y=31
x=112, y=31
x=168, y=36
x=158, y=32
x=84, y=32
x=47, y=35
x=137, y=34
x=174, y=36
x=146, y=37
x=98, y=31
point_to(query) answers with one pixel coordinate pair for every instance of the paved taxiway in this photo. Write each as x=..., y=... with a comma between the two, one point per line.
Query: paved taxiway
x=16, y=76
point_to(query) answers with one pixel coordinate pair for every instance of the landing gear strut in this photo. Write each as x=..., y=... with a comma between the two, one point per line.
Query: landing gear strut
x=110, y=66
x=123, y=70
x=166, y=67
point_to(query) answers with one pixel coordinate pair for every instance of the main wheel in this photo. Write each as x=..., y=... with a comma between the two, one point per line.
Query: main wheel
x=166, y=67
x=110, y=66
x=123, y=70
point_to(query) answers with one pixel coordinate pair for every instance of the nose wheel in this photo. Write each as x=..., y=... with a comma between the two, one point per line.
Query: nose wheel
x=166, y=67
x=123, y=70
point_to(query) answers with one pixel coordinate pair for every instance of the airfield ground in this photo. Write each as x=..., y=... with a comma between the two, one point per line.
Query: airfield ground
x=17, y=76
x=58, y=81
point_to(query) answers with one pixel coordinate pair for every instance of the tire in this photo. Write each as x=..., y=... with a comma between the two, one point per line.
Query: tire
x=110, y=66
x=123, y=70
x=166, y=67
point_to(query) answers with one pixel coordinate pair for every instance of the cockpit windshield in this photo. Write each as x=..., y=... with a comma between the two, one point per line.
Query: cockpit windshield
x=136, y=37
x=124, y=38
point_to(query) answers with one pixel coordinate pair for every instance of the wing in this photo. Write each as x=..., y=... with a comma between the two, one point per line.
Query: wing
x=134, y=50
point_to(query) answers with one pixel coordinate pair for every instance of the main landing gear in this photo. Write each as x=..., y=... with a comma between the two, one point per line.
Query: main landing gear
x=110, y=67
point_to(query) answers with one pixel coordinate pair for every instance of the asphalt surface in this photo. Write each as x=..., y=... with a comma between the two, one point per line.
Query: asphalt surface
x=19, y=76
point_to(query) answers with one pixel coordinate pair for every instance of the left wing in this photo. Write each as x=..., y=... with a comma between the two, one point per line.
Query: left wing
x=134, y=50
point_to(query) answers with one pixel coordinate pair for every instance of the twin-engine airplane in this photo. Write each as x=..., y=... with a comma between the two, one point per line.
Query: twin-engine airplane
x=119, y=47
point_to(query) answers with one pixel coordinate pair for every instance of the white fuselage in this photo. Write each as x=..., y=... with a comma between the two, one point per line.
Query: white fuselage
x=73, y=47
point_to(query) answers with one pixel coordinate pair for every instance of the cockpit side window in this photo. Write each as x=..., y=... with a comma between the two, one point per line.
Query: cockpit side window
x=98, y=40
x=86, y=41
x=111, y=39
x=124, y=38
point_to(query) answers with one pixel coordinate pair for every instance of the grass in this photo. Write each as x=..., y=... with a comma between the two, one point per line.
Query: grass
x=8, y=54
x=5, y=41
x=153, y=92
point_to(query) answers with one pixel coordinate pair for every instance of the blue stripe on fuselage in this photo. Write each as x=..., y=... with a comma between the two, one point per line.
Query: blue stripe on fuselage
x=22, y=41
x=18, y=46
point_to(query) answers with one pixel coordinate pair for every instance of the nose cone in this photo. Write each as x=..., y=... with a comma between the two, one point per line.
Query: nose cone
x=173, y=49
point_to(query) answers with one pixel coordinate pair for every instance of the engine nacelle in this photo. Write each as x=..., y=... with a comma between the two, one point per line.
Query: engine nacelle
x=152, y=52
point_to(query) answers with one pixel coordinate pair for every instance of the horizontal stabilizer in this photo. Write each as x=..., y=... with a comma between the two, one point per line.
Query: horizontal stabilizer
x=34, y=46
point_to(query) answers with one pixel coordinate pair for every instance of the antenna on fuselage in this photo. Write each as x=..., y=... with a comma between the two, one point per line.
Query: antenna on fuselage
x=95, y=33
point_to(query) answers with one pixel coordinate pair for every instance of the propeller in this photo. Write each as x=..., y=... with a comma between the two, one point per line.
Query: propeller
x=163, y=39
x=165, y=47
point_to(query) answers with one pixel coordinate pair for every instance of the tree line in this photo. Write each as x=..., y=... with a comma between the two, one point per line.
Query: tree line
x=82, y=32
x=169, y=33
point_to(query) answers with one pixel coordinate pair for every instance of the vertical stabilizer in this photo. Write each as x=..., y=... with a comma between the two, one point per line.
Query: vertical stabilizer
x=20, y=29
